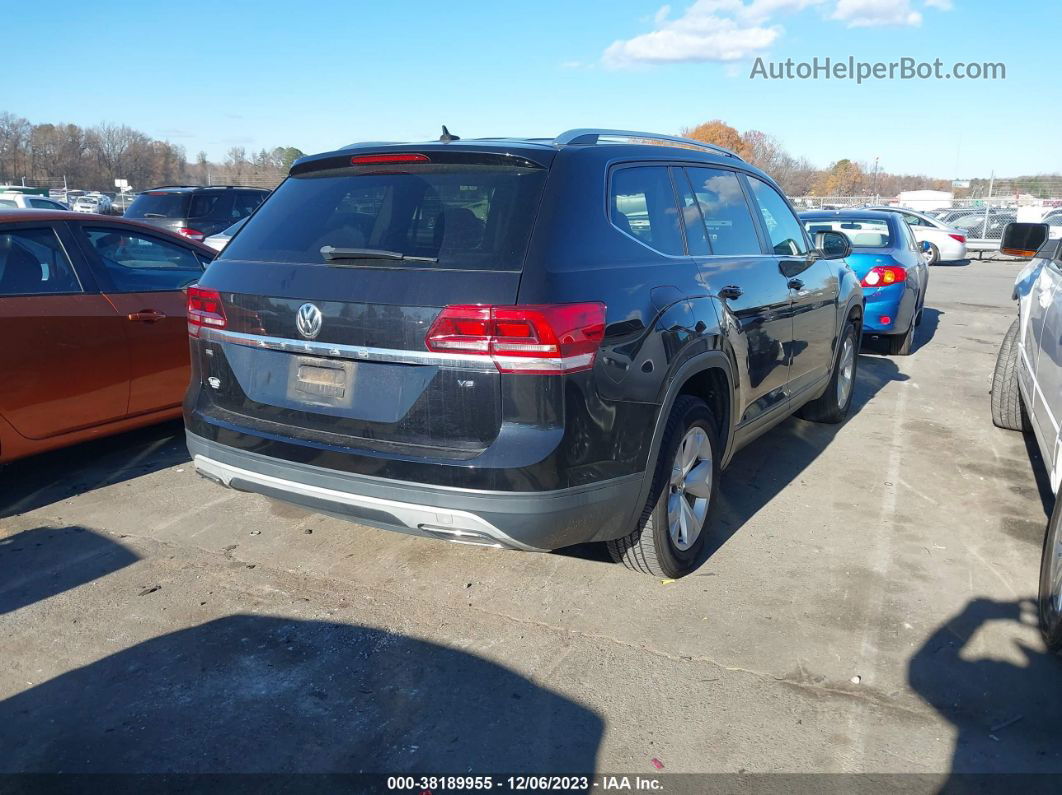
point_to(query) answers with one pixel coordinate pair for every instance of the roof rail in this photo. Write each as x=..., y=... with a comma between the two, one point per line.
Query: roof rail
x=590, y=136
x=251, y=187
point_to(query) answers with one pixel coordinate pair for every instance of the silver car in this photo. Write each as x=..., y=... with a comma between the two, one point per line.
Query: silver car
x=1027, y=389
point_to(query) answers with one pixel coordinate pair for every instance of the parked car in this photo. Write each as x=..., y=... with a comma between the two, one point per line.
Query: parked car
x=1027, y=389
x=438, y=339
x=193, y=211
x=92, y=203
x=92, y=318
x=12, y=200
x=891, y=266
x=946, y=244
x=1054, y=220
x=221, y=239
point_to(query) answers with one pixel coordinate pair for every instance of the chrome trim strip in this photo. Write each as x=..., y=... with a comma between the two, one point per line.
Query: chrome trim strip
x=360, y=353
x=354, y=352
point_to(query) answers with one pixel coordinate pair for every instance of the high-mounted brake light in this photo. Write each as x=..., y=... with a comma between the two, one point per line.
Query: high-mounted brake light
x=538, y=339
x=884, y=275
x=960, y=238
x=376, y=160
x=191, y=234
x=204, y=308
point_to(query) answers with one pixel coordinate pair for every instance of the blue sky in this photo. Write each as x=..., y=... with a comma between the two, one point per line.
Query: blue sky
x=317, y=75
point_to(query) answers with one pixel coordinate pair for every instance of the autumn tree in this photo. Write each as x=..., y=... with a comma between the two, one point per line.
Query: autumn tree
x=842, y=178
x=719, y=133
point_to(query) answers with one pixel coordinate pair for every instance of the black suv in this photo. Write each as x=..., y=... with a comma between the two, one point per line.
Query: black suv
x=194, y=211
x=520, y=343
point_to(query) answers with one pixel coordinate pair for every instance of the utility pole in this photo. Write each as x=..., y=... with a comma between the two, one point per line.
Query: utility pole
x=875, y=183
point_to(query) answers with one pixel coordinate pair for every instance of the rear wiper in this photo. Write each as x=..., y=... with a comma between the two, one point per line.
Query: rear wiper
x=332, y=253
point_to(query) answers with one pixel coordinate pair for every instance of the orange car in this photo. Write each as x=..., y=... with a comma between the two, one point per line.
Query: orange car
x=93, y=338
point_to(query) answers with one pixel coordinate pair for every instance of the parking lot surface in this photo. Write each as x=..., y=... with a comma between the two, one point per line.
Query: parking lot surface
x=864, y=607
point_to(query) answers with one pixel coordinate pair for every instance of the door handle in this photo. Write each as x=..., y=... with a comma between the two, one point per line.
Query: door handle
x=731, y=291
x=795, y=284
x=147, y=316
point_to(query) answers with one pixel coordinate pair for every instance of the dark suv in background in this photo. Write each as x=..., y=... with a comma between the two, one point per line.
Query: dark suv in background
x=194, y=211
x=521, y=343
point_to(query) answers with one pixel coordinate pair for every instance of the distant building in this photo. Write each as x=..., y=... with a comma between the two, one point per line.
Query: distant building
x=925, y=199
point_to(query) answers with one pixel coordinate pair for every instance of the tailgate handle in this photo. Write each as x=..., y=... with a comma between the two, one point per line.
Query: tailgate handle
x=147, y=316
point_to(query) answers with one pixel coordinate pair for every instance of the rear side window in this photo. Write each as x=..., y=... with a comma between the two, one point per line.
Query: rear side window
x=137, y=263
x=157, y=204
x=32, y=262
x=8, y=203
x=466, y=216
x=642, y=204
x=783, y=229
x=731, y=229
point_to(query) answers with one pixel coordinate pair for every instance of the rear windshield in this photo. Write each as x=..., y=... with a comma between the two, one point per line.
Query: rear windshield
x=464, y=216
x=158, y=205
x=863, y=234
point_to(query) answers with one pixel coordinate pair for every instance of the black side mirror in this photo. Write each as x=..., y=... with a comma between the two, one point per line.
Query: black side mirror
x=833, y=244
x=1023, y=240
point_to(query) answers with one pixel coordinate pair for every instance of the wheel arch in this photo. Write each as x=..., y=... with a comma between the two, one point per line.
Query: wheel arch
x=709, y=376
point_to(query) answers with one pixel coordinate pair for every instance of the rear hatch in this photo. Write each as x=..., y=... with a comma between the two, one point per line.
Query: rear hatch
x=167, y=209
x=330, y=290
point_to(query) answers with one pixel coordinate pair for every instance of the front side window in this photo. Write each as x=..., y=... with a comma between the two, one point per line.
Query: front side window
x=32, y=262
x=783, y=229
x=731, y=229
x=138, y=263
x=642, y=204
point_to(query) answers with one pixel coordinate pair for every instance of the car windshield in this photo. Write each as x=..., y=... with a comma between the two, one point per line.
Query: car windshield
x=463, y=216
x=158, y=204
x=863, y=233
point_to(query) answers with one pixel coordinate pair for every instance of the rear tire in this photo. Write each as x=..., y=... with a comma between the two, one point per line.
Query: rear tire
x=1008, y=409
x=934, y=254
x=902, y=344
x=1050, y=597
x=660, y=545
x=833, y=405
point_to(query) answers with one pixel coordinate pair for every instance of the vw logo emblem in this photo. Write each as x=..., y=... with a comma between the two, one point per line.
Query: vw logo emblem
x=308, y=321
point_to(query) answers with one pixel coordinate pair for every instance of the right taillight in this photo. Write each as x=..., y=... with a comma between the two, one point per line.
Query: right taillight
x=884, y=275
x=204, y=308
x=960, y=238
x=535, y=340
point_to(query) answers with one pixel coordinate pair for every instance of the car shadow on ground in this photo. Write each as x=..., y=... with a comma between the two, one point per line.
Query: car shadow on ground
x=760, y=471
x=273, y=695
x=47, y=478
x=39, y=563
x=1005, y=707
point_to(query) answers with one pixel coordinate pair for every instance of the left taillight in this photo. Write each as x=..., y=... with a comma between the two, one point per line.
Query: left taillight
x=204, y=308
x=540, y=339
x=191, y=234
x=884, y=275
x=960, y=238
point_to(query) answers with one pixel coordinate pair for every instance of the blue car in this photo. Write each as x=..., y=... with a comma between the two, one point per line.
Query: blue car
x=890, y=265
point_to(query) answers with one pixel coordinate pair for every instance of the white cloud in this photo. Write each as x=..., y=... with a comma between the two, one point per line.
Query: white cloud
x=734, y=30
x=709, y=30
x=876, y=13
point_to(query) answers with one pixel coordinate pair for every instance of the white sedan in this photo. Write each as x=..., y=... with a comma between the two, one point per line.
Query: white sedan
x=1027, y=389
x=946, y=243
x=14, y=199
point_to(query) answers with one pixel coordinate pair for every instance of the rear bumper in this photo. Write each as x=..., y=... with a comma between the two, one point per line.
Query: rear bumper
x=896, y=302
x=540, y=520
